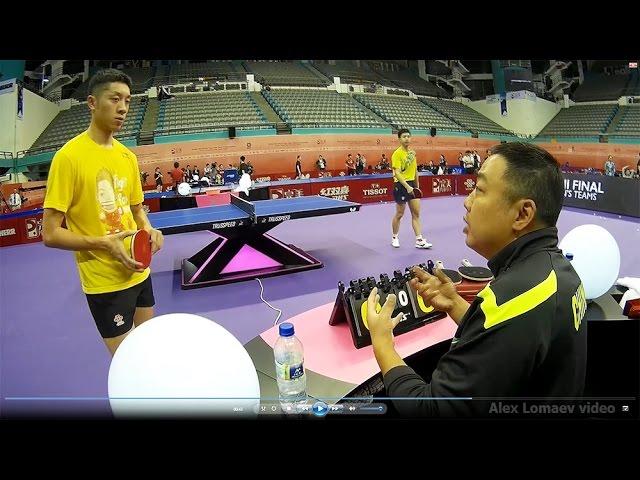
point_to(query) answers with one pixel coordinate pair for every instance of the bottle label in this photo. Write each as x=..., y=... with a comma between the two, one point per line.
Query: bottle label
x=289, y=372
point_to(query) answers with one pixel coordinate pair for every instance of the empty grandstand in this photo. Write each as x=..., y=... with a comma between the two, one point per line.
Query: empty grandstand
x=286, y=73
x=629, y=123
x=581, y=120
x=294, y=94
x=409, y=80
x=597, y=86
x=141, y=80
x=69, y=123
x=349, y=71
x=404, y=112
x=465, y=116
x=320, y=108
x=362, y=72
x=190, y=72
x=633, y=87
x=208, y=111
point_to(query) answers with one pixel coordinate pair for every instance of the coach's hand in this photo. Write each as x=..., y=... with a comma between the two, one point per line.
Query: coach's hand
x=439, y=292
x=380, y=323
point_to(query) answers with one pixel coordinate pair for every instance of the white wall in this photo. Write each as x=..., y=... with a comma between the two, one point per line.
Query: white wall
x=525, y=116
x=8, y=109
x=38, y=113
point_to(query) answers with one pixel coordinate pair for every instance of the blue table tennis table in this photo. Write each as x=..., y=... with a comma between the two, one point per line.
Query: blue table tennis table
x=243, y=249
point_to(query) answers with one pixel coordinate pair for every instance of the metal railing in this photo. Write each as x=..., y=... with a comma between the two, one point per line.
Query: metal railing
x=211, y=128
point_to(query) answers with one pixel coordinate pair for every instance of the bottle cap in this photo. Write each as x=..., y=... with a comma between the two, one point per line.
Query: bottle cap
x=286, y=329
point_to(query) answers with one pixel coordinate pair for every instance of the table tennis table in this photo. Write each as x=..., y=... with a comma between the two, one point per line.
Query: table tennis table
x=243, y=249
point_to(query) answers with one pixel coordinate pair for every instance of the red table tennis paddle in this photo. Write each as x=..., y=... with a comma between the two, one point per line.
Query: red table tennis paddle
x=468, y=289
x=417, y=193
x=140, y=248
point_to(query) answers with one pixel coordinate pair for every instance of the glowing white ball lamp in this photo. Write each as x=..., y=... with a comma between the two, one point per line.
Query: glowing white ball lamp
x=596, y=258
x=182, y=365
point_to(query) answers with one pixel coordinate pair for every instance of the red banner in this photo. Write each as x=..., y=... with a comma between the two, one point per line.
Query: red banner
x=290, y=191
x=10, y=232
x=32, y=228
x=465, y=184
x=371, y=191
x=22, y=229
x=438, y=185
x=375, y=190
x=340, y=190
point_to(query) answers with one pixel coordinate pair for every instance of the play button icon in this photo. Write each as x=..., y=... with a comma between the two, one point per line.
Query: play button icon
x=320, y=409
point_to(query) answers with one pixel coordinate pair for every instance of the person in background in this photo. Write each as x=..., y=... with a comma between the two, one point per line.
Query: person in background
x=298, y=168
x=321, y=163
x=158, y=178
x=351, y=166
x=15, y=200
x=610, y=167
x=177, y=175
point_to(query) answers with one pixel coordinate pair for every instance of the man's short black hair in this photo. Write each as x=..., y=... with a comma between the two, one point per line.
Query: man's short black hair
x=533, y=173
x=403, y=130
x=103, y=78
x=242, y=158
x=176, y=164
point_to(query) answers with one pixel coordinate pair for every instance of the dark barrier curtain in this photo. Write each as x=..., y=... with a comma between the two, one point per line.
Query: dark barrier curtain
x=604, y=194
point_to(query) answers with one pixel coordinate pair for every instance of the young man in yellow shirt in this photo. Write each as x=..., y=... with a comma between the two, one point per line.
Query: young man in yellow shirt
x=94, y=185
x=405, y=179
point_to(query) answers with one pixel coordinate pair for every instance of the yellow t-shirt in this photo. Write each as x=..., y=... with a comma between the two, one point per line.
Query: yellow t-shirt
x=407, y=164
x=94, y=187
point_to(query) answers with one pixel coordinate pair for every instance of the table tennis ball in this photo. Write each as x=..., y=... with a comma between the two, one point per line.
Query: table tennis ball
x=182, y=365
x=596, y=258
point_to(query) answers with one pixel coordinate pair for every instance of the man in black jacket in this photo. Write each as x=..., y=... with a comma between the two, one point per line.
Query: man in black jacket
x=523, y=335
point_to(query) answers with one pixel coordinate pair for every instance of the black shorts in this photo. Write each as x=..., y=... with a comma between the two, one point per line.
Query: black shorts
x=400, y=194
x=113, y=312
